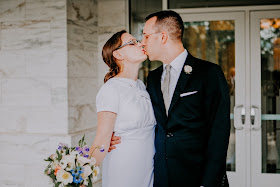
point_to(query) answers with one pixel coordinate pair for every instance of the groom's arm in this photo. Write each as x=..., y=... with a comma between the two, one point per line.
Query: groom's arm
x=217, y=113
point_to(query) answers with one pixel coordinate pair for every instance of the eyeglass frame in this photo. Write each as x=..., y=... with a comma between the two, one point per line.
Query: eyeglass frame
x=144, y=35
x=129, y=43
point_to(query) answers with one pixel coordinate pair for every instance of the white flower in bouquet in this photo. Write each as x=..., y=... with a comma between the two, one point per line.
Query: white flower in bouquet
x=54, y=164
x=64, y=177
x=63, y=163
x=86, y=182
x=53, y=157
x=83, y=160
x=69, y=166
x=74, y=153
x=73, y=166
x=95, y=173
x=69, y=158
x=87, y=171
x=92, y=161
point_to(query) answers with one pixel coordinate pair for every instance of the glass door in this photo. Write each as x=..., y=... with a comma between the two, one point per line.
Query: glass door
x=220, y=38
x=265, y=98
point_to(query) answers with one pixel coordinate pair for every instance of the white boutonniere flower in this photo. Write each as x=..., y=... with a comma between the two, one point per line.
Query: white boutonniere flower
x=187, y=69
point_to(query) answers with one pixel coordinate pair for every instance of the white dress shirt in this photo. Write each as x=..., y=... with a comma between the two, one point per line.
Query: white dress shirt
x=175, y=71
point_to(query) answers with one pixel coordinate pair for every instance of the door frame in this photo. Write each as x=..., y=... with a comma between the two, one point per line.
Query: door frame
x=238, y=176
x=258, y=178
x=244, y=137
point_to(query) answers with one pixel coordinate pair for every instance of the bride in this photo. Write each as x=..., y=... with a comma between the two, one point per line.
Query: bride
x=124, y=107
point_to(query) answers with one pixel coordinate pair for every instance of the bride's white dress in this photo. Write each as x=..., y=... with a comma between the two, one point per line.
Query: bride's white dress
x=131, y=164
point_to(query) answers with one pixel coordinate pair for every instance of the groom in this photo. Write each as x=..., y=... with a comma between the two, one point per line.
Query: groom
x=191, y=105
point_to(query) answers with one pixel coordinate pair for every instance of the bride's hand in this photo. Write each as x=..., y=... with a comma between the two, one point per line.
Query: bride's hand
x=114, y=140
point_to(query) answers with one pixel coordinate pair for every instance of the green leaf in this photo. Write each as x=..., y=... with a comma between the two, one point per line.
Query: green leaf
x=89, y=182
x=57, y=184
x=52, y=176
x=48, y=159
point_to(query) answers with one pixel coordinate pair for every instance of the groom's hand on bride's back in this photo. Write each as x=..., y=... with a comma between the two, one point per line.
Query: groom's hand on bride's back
x=114, y=140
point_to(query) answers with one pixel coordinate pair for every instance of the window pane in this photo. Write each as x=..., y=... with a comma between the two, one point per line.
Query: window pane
x=214, y=41
x=172, y=4
x=139, y=10
x=270, y=76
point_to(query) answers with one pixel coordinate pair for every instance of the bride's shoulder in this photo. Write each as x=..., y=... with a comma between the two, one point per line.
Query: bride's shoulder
x=142, y=86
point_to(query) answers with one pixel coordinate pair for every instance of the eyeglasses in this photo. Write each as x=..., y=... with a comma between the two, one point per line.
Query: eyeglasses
x=131, y=42
x=146, y=36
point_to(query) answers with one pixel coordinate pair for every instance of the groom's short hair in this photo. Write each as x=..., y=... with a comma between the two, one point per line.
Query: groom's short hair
x=169, y=20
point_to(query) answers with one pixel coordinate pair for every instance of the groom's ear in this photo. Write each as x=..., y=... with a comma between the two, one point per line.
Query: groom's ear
x=117, y=55
x=164, y=37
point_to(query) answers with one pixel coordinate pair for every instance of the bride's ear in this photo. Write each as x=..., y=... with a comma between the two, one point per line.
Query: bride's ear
x=117, y=55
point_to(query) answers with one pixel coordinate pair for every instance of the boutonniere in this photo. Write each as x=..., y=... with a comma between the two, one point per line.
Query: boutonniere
x=187, y=69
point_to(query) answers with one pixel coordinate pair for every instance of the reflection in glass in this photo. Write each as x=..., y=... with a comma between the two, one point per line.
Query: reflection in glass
x=173, y=4
x=270, y=76
x=138, y=12
x=214, y=41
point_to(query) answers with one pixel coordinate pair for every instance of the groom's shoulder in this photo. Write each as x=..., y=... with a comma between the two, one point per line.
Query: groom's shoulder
x=206, y=66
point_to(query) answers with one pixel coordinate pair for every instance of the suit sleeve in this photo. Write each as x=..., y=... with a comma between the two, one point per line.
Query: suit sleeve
x=217, y=113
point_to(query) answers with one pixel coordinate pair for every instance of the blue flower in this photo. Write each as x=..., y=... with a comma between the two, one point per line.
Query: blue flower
x=77, y=179
x=80, y=169
x=75, y=172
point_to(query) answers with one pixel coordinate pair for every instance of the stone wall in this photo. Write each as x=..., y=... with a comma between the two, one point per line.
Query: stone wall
x=50, y=72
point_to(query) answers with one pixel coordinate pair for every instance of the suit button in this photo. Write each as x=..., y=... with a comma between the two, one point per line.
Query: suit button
x=167, y=135
x=165, y=158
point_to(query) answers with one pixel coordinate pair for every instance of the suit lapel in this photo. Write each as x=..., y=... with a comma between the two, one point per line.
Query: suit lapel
x=182, y=82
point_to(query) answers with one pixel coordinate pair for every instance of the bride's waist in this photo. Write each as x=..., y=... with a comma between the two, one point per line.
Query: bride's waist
x=136, y=134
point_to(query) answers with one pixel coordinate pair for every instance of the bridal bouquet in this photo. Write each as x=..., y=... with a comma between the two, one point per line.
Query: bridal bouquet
x=72, y=166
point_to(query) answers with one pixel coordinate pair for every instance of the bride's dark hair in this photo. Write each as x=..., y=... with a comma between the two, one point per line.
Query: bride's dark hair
x=107, y=53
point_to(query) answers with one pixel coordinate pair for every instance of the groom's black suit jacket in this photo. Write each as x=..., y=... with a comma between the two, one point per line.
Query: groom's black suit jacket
x=191, y=142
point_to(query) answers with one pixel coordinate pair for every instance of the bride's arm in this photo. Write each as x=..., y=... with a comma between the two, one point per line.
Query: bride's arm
x=105, y=127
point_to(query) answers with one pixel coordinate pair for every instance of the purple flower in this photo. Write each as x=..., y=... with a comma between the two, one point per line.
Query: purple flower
x=101, y=149
x=86, y=149
x=86, y=156
x=59, y=147
x=63, y=145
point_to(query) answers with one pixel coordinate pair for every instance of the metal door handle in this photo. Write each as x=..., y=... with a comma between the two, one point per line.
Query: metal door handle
x=239, y=123
x=255, y=123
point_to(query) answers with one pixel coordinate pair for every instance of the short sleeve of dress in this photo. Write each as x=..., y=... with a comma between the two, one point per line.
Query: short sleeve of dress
x=107, y=99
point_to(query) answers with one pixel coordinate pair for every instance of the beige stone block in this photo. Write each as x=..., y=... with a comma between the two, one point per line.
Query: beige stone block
x=11, y=174
x=59, y=93
x=27, y=35
x=82, y=36
x=13, y=119
x=81, y=91
x=12, y=10
x=84, y=11
x=82, y=64
x=12, y=64
x=45, y=9
x=111, y=13
x=47, y=120
x=26, y=92
x=82, y=117
x=47, y=64
x=35, y=177
x=59, y=33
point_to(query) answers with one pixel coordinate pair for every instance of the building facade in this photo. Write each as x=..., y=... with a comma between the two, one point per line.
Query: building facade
x=51, y=70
